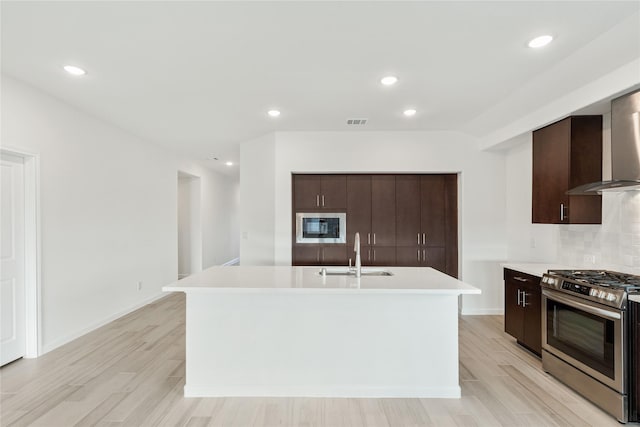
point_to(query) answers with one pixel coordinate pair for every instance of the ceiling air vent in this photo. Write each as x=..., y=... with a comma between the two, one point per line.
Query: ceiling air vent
x=353, y=122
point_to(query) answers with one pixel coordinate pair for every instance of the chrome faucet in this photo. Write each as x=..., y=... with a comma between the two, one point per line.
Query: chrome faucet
x=356, y=248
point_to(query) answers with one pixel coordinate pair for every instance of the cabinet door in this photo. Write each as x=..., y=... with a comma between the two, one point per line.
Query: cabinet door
x=334, y=255
x=383, y=210
x=306, y=255
x=358, y=208
x=513, y=313
x=532, y=328
x=408, y=232
x=382, y=255
x=451, y=232
x=433, y=210
x=333, y=192
x=306, y=192
x=407, y=256
x=434, y=257
x=551, y=147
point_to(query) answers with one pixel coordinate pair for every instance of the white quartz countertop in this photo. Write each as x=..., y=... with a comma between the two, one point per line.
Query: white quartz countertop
x=534, y=268
x=261, y=279
x=634, y=298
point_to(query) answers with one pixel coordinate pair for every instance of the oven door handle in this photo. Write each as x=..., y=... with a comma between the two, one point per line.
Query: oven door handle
x=582, y=306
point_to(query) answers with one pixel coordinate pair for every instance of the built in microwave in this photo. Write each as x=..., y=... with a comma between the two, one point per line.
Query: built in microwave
x=321, y=227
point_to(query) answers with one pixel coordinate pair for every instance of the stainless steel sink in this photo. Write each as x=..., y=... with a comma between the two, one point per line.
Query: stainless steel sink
x=346, y=271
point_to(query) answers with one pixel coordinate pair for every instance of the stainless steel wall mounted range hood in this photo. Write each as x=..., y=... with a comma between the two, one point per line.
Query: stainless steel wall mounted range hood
x=625, y=148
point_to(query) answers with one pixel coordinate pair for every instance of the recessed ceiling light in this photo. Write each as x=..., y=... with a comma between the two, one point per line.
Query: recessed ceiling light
x=540, y=41
x=273, y=113
x=229, y=163
x=389, y=80
x=76, y=71
x=410, y=112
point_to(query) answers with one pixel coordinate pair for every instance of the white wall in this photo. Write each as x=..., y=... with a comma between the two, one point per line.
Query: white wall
x=257, y=201
x=482, y=191
x=189, y=225
x=615, y=244
x=108, y=212
x=526, y=241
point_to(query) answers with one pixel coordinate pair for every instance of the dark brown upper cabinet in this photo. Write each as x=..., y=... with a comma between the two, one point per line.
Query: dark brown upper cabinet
x=358, y=208
x=371, y=201
x=567, y=154
x=383, y=211
x=403, y=220
x=320, y=192
x=426, y=221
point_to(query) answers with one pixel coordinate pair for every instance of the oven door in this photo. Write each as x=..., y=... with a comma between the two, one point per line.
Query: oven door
x=321, y=228
x=586, y=335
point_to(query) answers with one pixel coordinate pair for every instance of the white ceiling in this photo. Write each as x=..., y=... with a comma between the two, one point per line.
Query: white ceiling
x=200, y=76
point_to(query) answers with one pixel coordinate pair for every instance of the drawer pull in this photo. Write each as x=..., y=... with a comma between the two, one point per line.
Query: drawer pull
x=520, y=279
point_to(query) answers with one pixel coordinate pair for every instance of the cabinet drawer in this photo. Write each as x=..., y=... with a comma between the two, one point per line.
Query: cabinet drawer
x=518, y=276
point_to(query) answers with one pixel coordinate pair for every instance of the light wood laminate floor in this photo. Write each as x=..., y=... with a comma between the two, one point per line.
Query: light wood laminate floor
x=131, y=372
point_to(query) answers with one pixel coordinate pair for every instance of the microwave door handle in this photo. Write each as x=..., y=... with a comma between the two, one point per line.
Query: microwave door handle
x=582, y=306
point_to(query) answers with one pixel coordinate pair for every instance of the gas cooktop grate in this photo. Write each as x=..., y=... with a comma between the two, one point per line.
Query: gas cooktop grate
x=601, y=278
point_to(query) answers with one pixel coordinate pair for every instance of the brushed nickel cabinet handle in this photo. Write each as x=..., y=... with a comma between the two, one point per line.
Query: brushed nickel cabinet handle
x=323, y=200
x=424, y=238
x=317, y=200
x=524, y=299
x=374, y=238
x=424, y=255
x=369, y=255
x=418, y=238
x=374, y=254
x=418, y=254
x=518, y=296
x=368, y=238
x=562, y=210
x=520, y=279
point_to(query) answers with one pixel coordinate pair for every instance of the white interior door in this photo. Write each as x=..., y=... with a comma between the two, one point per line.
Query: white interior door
x=12, y=254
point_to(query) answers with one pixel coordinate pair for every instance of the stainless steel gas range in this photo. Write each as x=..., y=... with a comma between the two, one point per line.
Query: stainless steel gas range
x=587, y=336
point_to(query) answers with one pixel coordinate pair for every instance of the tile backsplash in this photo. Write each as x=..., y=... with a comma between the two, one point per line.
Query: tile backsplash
x=614, y=245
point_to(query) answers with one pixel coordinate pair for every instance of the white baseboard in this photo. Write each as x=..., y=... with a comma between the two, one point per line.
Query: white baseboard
x=482, y=311
x=62, y=341
x=323, y=391
x=234, y=261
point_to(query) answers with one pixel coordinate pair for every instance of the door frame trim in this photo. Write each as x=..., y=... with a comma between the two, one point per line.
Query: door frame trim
x=33, y=250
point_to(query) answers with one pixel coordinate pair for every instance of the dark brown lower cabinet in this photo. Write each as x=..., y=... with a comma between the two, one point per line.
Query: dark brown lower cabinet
x=420, y=256
x=320, y=255
x=427, y=218
x=522, y=309
x=376, y=255
x=403, y=220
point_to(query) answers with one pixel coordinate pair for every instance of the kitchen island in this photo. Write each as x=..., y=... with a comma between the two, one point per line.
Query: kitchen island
x=291, y=331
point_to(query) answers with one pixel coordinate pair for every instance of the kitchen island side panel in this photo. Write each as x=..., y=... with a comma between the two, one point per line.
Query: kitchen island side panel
x=322, y=345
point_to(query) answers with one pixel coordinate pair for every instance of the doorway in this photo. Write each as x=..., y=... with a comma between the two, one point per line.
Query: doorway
x=189, y=225
x=19, y=254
